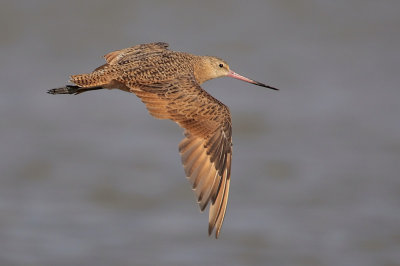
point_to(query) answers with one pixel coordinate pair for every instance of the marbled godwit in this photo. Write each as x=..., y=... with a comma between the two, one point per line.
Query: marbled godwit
x=168, y=82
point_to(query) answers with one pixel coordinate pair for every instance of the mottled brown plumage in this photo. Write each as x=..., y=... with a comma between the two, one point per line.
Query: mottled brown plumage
x=168, y=82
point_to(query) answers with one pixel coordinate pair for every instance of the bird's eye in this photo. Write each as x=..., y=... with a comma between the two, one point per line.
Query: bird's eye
x=221, y=65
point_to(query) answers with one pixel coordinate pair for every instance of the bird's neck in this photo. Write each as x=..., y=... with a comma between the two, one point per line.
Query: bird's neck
x=201, y=69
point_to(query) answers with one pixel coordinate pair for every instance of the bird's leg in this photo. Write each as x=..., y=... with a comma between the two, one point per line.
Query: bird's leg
x=72, y=89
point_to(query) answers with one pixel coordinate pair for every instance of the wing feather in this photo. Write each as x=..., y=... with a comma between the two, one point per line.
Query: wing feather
x=119, y=56
x=206, y=150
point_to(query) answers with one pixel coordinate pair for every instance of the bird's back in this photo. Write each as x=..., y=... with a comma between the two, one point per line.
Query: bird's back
x=149, y=63
x=155, y=67
x=140, y=64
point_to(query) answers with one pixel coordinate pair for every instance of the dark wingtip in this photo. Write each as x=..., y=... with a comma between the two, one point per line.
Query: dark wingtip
x=210, y=229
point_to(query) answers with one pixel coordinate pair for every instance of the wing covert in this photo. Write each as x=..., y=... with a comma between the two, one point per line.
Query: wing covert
x=118, y=56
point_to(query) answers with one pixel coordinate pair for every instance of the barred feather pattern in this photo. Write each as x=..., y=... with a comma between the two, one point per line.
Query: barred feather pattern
x=169, y=86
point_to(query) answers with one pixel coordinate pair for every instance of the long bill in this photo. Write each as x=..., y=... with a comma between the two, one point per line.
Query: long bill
x=237, y=76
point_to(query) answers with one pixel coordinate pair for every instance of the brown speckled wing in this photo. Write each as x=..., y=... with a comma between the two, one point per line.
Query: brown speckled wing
x=206, y=149
x=115, y=57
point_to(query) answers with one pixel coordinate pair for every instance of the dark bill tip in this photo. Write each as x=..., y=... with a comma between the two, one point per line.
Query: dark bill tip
x=265, y=86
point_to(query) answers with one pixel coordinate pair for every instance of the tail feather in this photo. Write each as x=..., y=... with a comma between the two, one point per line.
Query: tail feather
x=72, y=89
x=68, y=89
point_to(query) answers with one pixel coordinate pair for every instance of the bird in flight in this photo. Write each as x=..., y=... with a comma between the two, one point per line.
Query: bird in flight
x=168, y=83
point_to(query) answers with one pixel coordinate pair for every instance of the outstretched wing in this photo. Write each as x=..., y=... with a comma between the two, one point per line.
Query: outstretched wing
x=130, y=54
x=206, y=149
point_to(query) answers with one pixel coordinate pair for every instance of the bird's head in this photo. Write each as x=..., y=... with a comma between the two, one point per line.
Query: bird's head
x=213, y=67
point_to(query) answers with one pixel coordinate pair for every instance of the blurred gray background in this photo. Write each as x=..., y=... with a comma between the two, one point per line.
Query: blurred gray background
x=95, y=180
